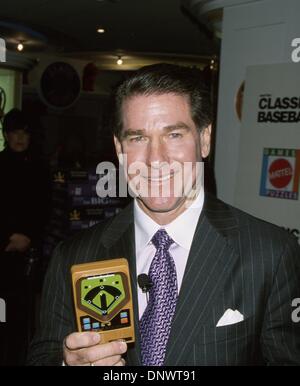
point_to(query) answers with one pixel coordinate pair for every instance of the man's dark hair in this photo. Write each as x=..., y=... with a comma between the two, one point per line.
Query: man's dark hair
x=161, y=79
x=15, y=120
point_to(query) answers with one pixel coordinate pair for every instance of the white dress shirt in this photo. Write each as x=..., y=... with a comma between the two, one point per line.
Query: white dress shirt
x=181, y=230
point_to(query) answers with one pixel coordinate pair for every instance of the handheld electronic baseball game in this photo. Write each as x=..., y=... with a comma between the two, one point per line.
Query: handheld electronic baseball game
x=103, y=300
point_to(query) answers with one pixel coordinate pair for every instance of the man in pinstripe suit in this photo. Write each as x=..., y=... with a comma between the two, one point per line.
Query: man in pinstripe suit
x=236, y=275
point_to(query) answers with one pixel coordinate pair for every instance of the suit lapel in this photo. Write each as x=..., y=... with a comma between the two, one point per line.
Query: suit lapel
x=210, y=261
x=119, y=240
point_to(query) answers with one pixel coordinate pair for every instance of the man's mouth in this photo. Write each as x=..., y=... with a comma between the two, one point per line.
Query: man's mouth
x=161, y=178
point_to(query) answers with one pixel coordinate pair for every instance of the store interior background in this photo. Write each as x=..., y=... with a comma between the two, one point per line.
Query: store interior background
x=138, y=32
x=64, y=45
x=63, y=76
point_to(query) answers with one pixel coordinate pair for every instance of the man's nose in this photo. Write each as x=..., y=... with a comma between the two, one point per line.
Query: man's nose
x=156, y=152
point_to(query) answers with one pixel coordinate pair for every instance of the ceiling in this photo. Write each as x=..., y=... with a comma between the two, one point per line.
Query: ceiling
x=140, y=28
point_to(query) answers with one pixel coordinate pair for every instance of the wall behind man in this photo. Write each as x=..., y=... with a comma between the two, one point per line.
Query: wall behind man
x=258, y=32
x=84, y=117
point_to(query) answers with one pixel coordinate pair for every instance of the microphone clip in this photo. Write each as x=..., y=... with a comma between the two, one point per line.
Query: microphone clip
x=144, y=283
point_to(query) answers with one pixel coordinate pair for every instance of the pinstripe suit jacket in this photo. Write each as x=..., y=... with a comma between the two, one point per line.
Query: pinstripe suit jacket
x=235, y=261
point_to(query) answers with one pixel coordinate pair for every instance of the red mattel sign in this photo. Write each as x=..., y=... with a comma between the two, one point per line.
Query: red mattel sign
x=280, y=173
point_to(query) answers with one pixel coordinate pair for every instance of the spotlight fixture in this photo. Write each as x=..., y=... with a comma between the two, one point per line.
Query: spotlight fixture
x=20, y=47
x=101, y=30
x=213, y=64
x=119, y=61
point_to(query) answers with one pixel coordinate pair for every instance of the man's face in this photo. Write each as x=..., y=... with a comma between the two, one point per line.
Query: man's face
x=17, y=140
x=158, y=130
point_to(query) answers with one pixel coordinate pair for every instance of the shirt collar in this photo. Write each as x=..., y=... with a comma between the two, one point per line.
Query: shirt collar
x=181, y=230
x=145, y=227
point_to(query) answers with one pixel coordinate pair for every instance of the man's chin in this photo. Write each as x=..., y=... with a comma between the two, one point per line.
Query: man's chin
x=161, y=205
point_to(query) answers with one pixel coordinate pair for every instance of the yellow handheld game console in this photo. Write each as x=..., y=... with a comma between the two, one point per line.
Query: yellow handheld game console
x=103, y=299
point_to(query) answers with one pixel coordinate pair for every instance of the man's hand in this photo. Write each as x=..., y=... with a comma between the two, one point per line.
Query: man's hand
x=18, y=243
x=84, y=349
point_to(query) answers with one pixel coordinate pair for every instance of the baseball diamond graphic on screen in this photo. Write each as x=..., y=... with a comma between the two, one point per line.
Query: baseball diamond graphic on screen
x=103, y=296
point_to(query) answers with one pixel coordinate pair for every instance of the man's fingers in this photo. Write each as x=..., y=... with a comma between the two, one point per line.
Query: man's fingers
x=107, y=354
x=110, y=361
x=122, y=362
x=79, y=340
x=104, y=351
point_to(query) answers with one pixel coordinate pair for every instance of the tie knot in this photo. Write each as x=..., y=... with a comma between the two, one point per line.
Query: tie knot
x=161, y=239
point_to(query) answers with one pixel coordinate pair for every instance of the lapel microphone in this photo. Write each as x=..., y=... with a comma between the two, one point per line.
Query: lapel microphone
x=144, y=284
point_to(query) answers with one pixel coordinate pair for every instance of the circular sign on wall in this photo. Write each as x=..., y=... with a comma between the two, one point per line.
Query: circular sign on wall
x=60, y=85
x=280, y=173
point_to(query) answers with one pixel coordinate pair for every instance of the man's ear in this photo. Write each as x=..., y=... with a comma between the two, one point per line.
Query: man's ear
x=118, y=147
x=205, y=137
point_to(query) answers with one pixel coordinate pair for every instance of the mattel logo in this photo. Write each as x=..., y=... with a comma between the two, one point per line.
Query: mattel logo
x=280, y=173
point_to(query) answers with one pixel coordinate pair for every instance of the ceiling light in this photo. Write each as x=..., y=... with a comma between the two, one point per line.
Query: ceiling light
x=20, y=47
x=119, y=61
x=101, y=30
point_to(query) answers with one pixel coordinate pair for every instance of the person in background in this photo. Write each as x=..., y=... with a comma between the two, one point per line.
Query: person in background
x=24, y=208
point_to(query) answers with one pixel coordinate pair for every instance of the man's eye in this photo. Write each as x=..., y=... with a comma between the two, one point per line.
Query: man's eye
x=175, y=135
x=138, y=138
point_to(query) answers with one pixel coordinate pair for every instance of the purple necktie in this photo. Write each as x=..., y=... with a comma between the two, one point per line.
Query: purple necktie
x=155, y=324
